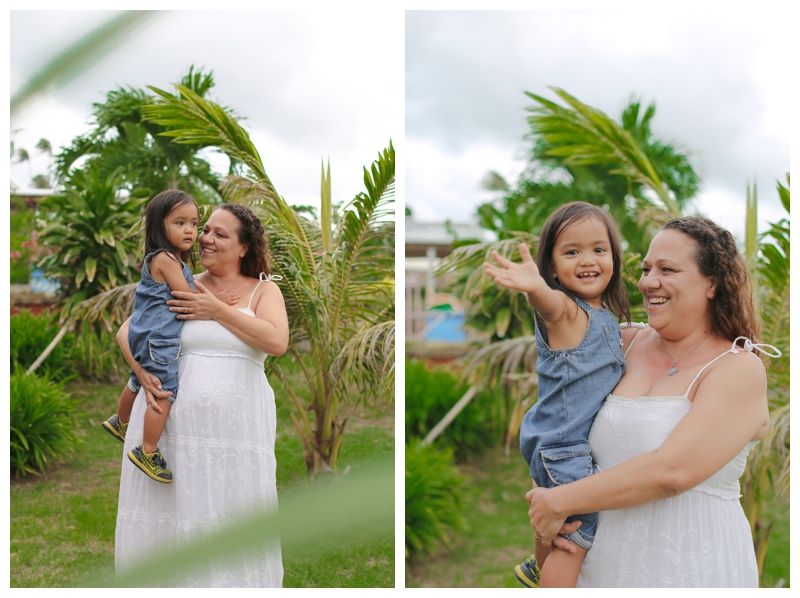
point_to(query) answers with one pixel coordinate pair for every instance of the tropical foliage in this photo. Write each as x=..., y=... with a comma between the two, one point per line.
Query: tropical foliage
x=767, y=470
x=21, y=226
x=85, y=235
x=123, y=142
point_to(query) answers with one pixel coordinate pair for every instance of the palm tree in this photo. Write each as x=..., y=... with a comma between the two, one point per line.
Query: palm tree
x=123, y=140
x=581, y=154
x=768, y=464
x=338, y=273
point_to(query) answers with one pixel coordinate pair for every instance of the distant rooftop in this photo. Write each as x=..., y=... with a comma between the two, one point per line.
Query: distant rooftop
x=31, y=191
x=443, y=233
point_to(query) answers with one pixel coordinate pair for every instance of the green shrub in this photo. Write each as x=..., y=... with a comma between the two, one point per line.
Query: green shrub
x=43, y=423
x=433, y=498
x=430, y=394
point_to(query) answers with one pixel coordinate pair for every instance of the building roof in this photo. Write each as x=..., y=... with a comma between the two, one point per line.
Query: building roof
x=444, y=233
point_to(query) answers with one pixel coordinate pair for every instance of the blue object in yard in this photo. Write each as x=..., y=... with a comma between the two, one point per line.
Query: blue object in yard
x=40, y=284
x=449, y=328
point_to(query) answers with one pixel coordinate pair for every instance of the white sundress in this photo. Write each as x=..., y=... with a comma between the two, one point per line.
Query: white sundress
x=219, y=442
x=700, y=538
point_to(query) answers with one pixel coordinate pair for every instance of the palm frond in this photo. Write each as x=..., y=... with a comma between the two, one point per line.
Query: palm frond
x=110, y=309
x=194, y=120
x=583, y=135
x=75, y=59
x=367, y=360
x=503, y=360
x=358, y=224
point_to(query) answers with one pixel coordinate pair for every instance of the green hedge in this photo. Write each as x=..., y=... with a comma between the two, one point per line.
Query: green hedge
x=433, y=498
x=43, y=423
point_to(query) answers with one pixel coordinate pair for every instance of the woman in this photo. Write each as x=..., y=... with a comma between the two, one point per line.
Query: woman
x=672, y=439
x=220, y=435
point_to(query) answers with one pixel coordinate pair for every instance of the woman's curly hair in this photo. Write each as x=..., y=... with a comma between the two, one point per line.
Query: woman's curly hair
x=252, y=235
x=733, y=309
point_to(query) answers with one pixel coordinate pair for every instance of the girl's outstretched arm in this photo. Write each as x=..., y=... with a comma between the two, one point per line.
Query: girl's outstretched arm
x=550, y=304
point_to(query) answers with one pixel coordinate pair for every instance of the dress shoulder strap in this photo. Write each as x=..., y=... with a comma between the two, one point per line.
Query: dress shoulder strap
x=263, y=278
x=641, y=326
x=747, y=346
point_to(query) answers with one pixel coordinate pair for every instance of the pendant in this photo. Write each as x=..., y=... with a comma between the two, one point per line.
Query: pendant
x=673, y=370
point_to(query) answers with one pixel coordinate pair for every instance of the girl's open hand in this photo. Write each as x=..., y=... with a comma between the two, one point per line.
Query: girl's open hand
x=195, y=306
x=523, y=277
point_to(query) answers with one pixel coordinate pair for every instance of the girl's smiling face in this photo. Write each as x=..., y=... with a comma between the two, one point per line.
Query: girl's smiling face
x=220, y=249
x=583, y=261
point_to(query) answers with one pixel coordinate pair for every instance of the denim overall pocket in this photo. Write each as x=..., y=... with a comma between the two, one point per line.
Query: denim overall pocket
x=164, y=350
x=566, y=463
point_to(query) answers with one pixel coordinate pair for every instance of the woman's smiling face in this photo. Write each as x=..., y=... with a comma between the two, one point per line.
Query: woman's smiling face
x=220, y=249
x=672, y=286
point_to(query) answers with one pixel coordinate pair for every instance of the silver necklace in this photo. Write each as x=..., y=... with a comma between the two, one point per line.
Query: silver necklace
x=674, y=369
x=230, y=287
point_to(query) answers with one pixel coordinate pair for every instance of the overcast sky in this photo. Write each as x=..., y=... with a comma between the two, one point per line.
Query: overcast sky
x=311, y=85
x=720, y=83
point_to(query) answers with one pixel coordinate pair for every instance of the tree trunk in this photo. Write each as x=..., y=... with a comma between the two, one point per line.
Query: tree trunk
x=49, y=349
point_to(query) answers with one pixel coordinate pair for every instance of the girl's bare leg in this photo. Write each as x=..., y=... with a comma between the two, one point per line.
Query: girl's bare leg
x=540, y=551
x=562, y=568
x=125, y=405
x=154, y=423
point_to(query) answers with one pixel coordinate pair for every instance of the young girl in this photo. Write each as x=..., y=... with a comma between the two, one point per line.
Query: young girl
x=576, y=288
x=154, y=332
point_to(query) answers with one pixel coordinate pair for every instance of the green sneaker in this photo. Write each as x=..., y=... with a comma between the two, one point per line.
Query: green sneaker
x=528, y=573
x=115, y=427
x=152, y=464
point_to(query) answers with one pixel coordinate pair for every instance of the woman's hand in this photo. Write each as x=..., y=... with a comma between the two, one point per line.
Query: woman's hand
x=196, y=306
x=152, y=388
x=547, y=523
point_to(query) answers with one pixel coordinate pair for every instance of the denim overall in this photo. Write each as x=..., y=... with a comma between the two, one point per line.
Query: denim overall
x=154, y=333
x=573, y=383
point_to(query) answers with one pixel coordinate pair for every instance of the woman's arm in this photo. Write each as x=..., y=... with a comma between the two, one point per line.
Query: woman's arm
x=729, y=408
x=150, y=383
x=267, y=332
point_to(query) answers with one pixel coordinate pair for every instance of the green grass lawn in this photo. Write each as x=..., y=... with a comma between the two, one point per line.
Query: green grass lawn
x=62, y=526
x=500, y=536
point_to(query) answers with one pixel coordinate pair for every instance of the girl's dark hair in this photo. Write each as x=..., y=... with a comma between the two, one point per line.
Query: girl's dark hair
x=733, y=309
x=252, y=235
x=614, y=296
x=155, y=237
